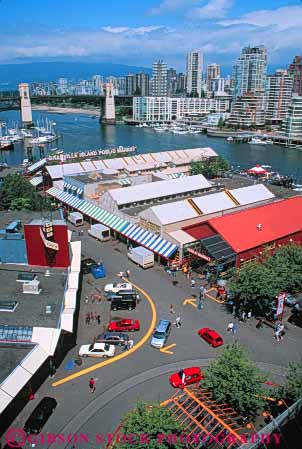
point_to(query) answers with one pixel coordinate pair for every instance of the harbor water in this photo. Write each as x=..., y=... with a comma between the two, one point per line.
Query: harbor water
x=81, y=132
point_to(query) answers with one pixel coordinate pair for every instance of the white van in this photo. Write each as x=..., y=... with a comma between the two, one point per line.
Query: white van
x=76, y=218
x=99, y=232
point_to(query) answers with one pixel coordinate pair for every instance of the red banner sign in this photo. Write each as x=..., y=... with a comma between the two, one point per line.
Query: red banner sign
x=201, y=256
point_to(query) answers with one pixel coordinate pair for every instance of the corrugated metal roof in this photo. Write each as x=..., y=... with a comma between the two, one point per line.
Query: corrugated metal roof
x=252, y=194
x=213, y=203
x=159, y=189
x=174, y=212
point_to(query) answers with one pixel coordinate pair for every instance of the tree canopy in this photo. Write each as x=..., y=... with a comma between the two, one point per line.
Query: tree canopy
x=210, y=168
x=233, y=378
x=150, y=420
x=16, y=193
x=292, y=389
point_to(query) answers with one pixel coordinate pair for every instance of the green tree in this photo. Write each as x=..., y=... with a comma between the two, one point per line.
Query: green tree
x=210, y=168
x=16, y=193
x=292, y=390
x=286, y=264
x=152, y=421
x=233, y=378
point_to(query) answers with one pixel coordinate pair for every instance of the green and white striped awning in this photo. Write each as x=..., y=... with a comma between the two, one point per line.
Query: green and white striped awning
x=36, y=181
x=124, y=182
x=176, y=175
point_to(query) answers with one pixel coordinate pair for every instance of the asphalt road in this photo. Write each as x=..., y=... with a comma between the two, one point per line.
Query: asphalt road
x=144, y=374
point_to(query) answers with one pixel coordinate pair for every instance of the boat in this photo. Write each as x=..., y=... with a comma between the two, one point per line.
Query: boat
x=230, y=139
x=8, y=146
x=269, y=142
x=257, y=141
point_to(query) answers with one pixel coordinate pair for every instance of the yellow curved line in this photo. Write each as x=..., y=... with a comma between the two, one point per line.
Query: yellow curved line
x=138, y=345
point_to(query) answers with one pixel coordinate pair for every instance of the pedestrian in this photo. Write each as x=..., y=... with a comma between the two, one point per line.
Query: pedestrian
x=79, y=233
x=220, y=292
x=259, y=324
x=98, y=319
x=82, y=232
x=230, y=327
x=249, y=315
x=92, y=299
x=177, y=322
x=86, y=299
x=202, y=292
x=235, y=329
x=234, y=310
x=95, y=316
x=173, y=271
x=128, y=274
x=243, y=316
x=171, y=308
x=92, y=385
x=87, y=319
x=193, y=283
x=200, y=304
x=91, y=316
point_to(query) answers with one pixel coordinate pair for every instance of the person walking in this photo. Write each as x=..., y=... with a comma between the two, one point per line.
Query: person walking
x=177, y=322
x=200, y=303
x=243, y=316
x=202, y=292
x=92, y=385
x=259, y=324
x=128, y=274
x=193, y=283
x=87, y=319
x=98, y=319
x=235, y=328
x=171, y=308
x=230, y=327
x=249, y=315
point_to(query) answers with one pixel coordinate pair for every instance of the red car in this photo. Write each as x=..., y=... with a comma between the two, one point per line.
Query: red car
x=124, y=325
x=186, y=376
x=210, y=336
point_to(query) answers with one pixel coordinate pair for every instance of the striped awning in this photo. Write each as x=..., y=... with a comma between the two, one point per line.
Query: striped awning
x=36, y=181
x=176, y=175
x=133, y=232
x=79, y=191
x=124, y=182
x=149, y=240
x=36, y=165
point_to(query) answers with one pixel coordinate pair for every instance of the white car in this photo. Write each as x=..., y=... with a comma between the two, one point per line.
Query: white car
x=97, y=350
x=114, y=288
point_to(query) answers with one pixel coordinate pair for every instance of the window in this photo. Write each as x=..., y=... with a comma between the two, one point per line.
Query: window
x=8, y=306
x=16, y=333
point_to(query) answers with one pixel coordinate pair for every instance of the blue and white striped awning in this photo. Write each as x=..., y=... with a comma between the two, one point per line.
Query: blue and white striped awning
x=132, y=231
x=79, y=191
x=176, y=175
x=124, y=182
x=36, y=181
x=36, y=165
x=149, y=240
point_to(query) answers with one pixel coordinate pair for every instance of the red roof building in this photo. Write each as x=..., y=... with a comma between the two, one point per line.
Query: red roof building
x=251, y=231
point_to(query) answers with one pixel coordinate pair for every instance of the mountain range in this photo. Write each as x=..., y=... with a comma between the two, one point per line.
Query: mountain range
x=13, y=74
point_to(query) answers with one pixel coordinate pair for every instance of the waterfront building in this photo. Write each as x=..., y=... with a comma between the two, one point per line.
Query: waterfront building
x=171, y=81
x=194, y=73
x=250, y=71
x=181, y=83
x=213, y=72
x=248, y=110
x=159, y=79
x=279, y=94
x=292, y=125
x=295, y=70
x=174, y=108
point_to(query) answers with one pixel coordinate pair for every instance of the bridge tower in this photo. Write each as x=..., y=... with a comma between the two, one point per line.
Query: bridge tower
x=26, y=114
x=109, y=115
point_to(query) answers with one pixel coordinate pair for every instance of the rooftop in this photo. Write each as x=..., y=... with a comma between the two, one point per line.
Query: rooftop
x=26, y=217
x=279, y=219
x=31, y=308
x=159, y=189
x=10, y=358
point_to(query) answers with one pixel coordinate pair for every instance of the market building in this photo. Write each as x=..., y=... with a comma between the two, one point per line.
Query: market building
x=242, y=237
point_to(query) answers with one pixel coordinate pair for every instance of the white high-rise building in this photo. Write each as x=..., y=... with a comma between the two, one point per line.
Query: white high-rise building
x=194, y=73
x=159, y=79
x=250, y=71
x=279, y=95
x=292, y=125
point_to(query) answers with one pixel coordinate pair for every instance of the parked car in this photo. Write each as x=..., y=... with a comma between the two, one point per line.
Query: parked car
x=124, y=325
x=97, y=350
x=161, y=334
x=86, y=265
x=40, y=415
x=129, y=294
x=186, y=376
x=114, y=288
x=210, y=336
x=112, y=338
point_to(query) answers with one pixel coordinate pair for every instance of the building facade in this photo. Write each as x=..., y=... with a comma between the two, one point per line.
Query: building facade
x=250, y=71
x=159, y=79
x=279, y=94
x=213, y=72
x=171, y=81
x=194, y=73
x=292, y=125
x=248, y=111
x=295, y=70
x=173, y=108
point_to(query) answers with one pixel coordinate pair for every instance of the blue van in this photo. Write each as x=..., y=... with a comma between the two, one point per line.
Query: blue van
x=161, y=334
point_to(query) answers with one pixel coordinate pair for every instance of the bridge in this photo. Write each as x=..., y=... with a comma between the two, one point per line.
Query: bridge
x=123, y=104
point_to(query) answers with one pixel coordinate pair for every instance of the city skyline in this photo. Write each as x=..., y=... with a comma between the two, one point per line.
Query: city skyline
x=166, y=29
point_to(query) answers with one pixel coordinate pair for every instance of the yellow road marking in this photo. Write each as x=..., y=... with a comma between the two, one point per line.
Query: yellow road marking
x=213, y=297
x=138, y=345
x=165, y=350
x=190, y=301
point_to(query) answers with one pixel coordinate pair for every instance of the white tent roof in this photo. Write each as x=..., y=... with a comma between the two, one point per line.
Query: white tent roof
x=34, y=359
x=174, y=212
x=158, y=189
x=181, y=237
x=213, y=202
x=252, y=194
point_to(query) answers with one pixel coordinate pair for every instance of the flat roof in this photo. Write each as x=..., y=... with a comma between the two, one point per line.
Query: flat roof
x=174, y=212
x=31, y=308
x=252, y=194
x=278, y=219
x=11, y=357
x=158, y=189
x=25, y=217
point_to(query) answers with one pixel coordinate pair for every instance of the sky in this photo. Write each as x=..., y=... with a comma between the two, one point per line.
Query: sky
x=137, y=32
